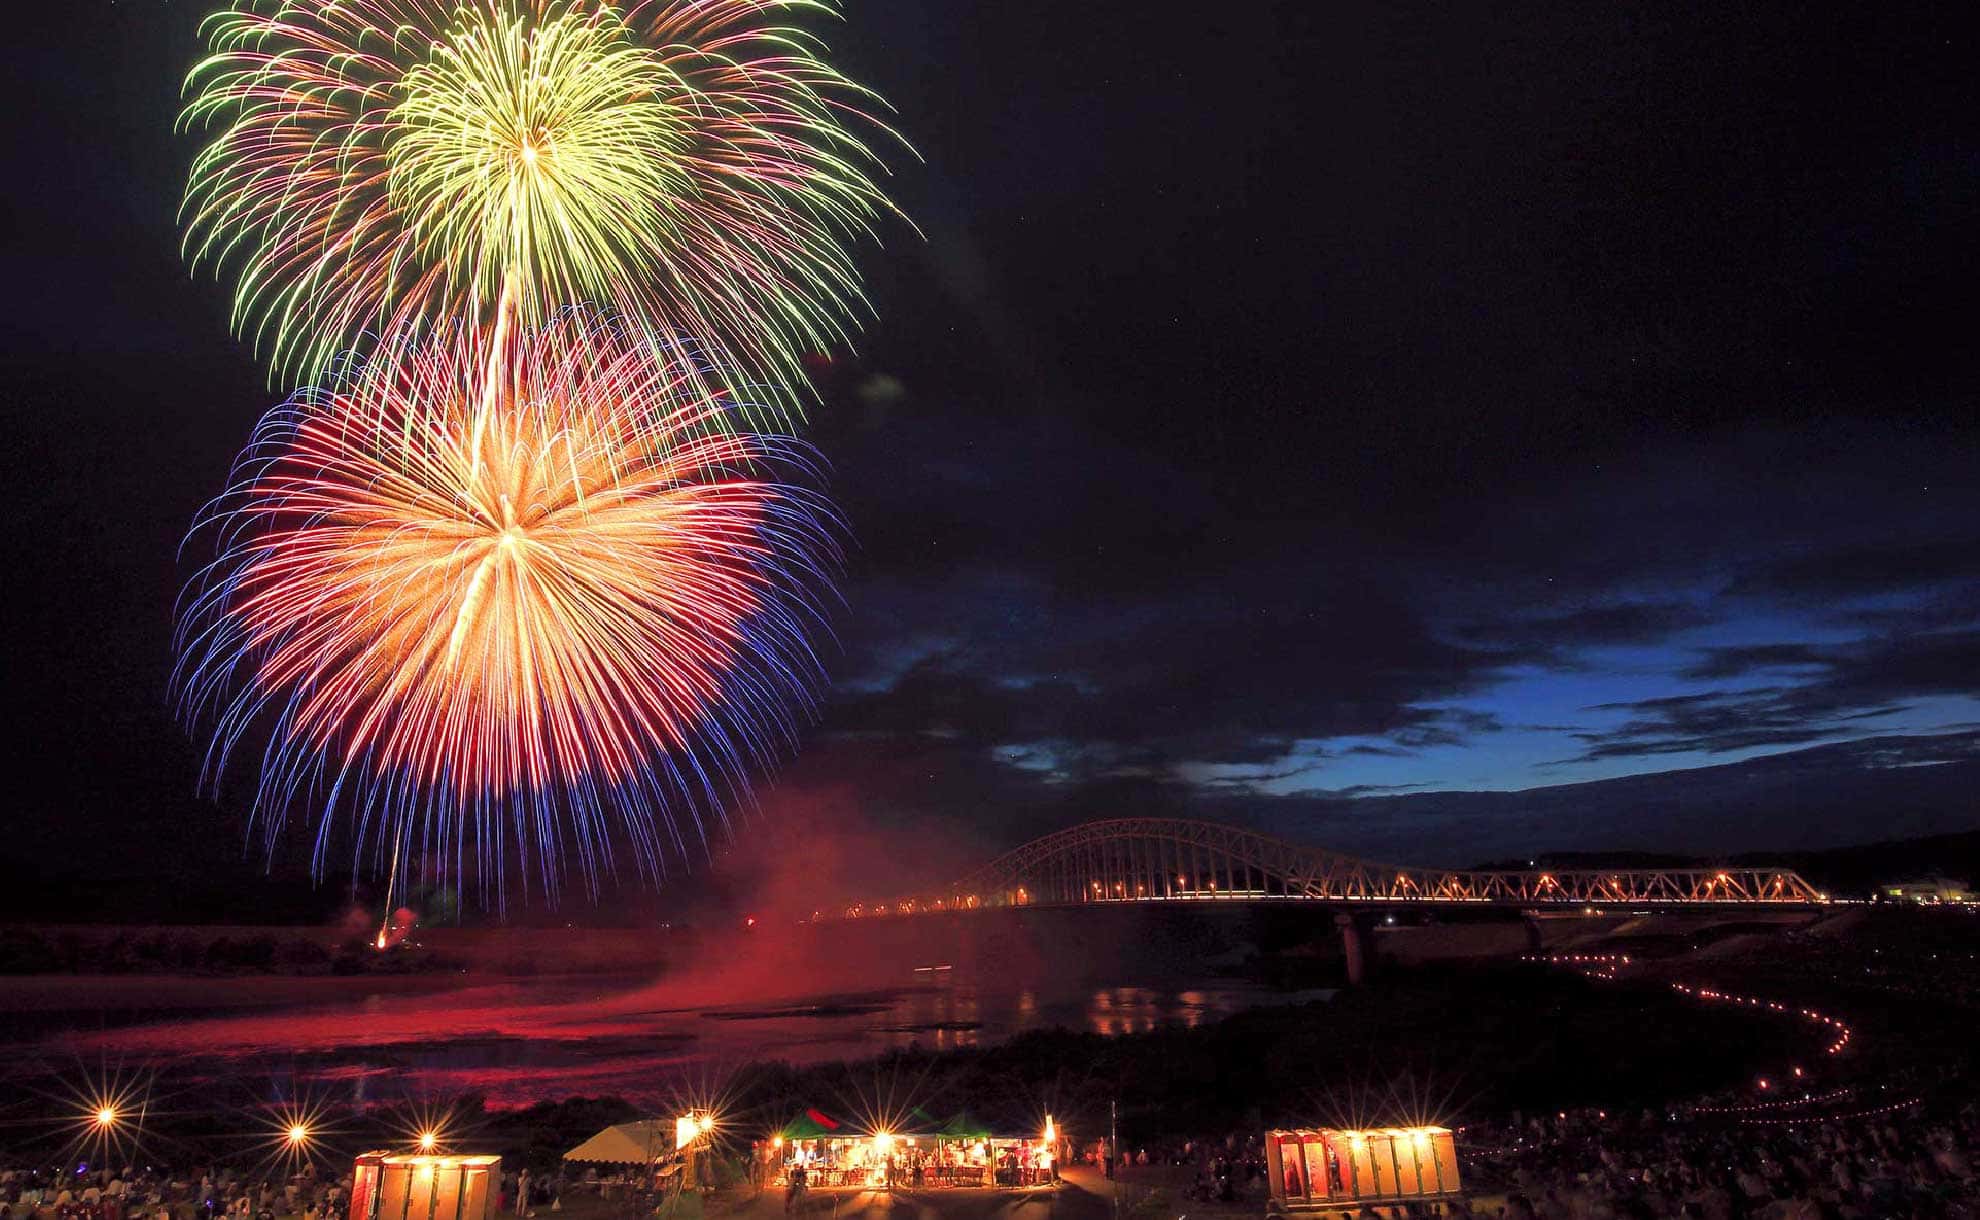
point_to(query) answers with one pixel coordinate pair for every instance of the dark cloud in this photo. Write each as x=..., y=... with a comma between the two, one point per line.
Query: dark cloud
x=1715, y=722
x=1098, y=614
x=1233, y=675
x=1737, y=661
x=1558, y=635
x=1847, y=686
x=1859, y=571
x=1956, y=606
x=1878, y=671
x=1815, y=797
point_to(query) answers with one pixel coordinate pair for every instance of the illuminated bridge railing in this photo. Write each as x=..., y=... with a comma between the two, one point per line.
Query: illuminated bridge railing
x=1168, y=860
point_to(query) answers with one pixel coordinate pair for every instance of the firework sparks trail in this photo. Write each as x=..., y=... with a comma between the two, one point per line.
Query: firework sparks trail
x=498, y=593
x=383, y=163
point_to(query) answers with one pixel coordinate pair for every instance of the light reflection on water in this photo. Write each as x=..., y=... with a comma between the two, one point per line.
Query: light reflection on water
x=520, y=1041
x=1137, y=1010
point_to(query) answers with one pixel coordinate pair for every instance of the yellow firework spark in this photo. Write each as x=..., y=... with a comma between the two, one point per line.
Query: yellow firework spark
x=691, y=163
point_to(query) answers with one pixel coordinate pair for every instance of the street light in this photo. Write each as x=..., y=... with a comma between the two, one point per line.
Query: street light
x=428, y=1141
x=690, y=1127
x=106, y=1117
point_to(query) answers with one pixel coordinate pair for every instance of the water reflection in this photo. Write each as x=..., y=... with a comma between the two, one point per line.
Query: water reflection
x=1113, y=1011
x=520, y=1042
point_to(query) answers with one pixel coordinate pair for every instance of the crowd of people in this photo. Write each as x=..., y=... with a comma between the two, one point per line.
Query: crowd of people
x=1594, y=1165
x=1591, y=1165
x=86, y=1192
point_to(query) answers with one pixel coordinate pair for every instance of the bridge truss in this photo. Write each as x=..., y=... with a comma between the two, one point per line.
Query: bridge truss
x=1172, y=860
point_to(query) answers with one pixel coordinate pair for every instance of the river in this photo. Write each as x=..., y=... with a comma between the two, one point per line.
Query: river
x=521, y=1040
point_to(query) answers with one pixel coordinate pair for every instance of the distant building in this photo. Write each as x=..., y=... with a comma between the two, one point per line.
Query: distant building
x=1929, y=889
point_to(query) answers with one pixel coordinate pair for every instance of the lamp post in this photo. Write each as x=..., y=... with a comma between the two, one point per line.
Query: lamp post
x=1114, y=1151
x=691, y=1133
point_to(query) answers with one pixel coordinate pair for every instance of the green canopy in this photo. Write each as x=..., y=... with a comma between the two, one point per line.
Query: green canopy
x=963, y=1125
x=807, y=1126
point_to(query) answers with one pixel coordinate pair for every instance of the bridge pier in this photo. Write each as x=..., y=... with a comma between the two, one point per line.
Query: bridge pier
x=1354, y=946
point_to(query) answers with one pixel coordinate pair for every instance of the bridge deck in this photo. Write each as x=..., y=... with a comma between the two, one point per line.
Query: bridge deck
x=1146, y=860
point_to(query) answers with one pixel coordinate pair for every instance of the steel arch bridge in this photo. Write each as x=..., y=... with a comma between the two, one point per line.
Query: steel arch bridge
x=1140, y=860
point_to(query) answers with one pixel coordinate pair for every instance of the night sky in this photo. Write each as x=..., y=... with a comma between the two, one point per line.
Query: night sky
x=1295, y=413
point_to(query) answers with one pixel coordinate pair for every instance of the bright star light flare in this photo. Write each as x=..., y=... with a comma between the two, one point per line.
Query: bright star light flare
x=695, y=164
x=508, y=597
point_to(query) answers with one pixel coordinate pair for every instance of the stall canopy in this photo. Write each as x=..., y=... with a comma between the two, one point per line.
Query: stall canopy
x=813, y=1125
x=963, y=1125
x=628, y=1143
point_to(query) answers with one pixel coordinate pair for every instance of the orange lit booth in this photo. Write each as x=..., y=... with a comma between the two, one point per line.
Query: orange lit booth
x=1329, y=1169
x=960, y=1152
x=413, y=1186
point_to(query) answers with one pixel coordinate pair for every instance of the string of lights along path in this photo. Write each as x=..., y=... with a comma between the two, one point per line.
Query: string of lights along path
x=1607, y=967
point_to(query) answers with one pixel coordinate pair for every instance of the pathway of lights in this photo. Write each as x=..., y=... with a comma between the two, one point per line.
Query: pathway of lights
x=1594, y=965
x=1893, y=1108
x=1605, y=966
x=1785, y=1103
x=1842, y=1031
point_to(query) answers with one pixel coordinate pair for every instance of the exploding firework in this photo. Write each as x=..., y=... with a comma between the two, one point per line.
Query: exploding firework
x=384, y=162
x=504, y=594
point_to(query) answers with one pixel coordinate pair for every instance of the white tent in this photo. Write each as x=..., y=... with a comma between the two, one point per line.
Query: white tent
x=628, y=1143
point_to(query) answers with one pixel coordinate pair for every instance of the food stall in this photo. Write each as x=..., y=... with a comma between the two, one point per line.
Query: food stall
x=1329, y=1169
x=961, y=1152
x=833, y=1155
x=967, y=1152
